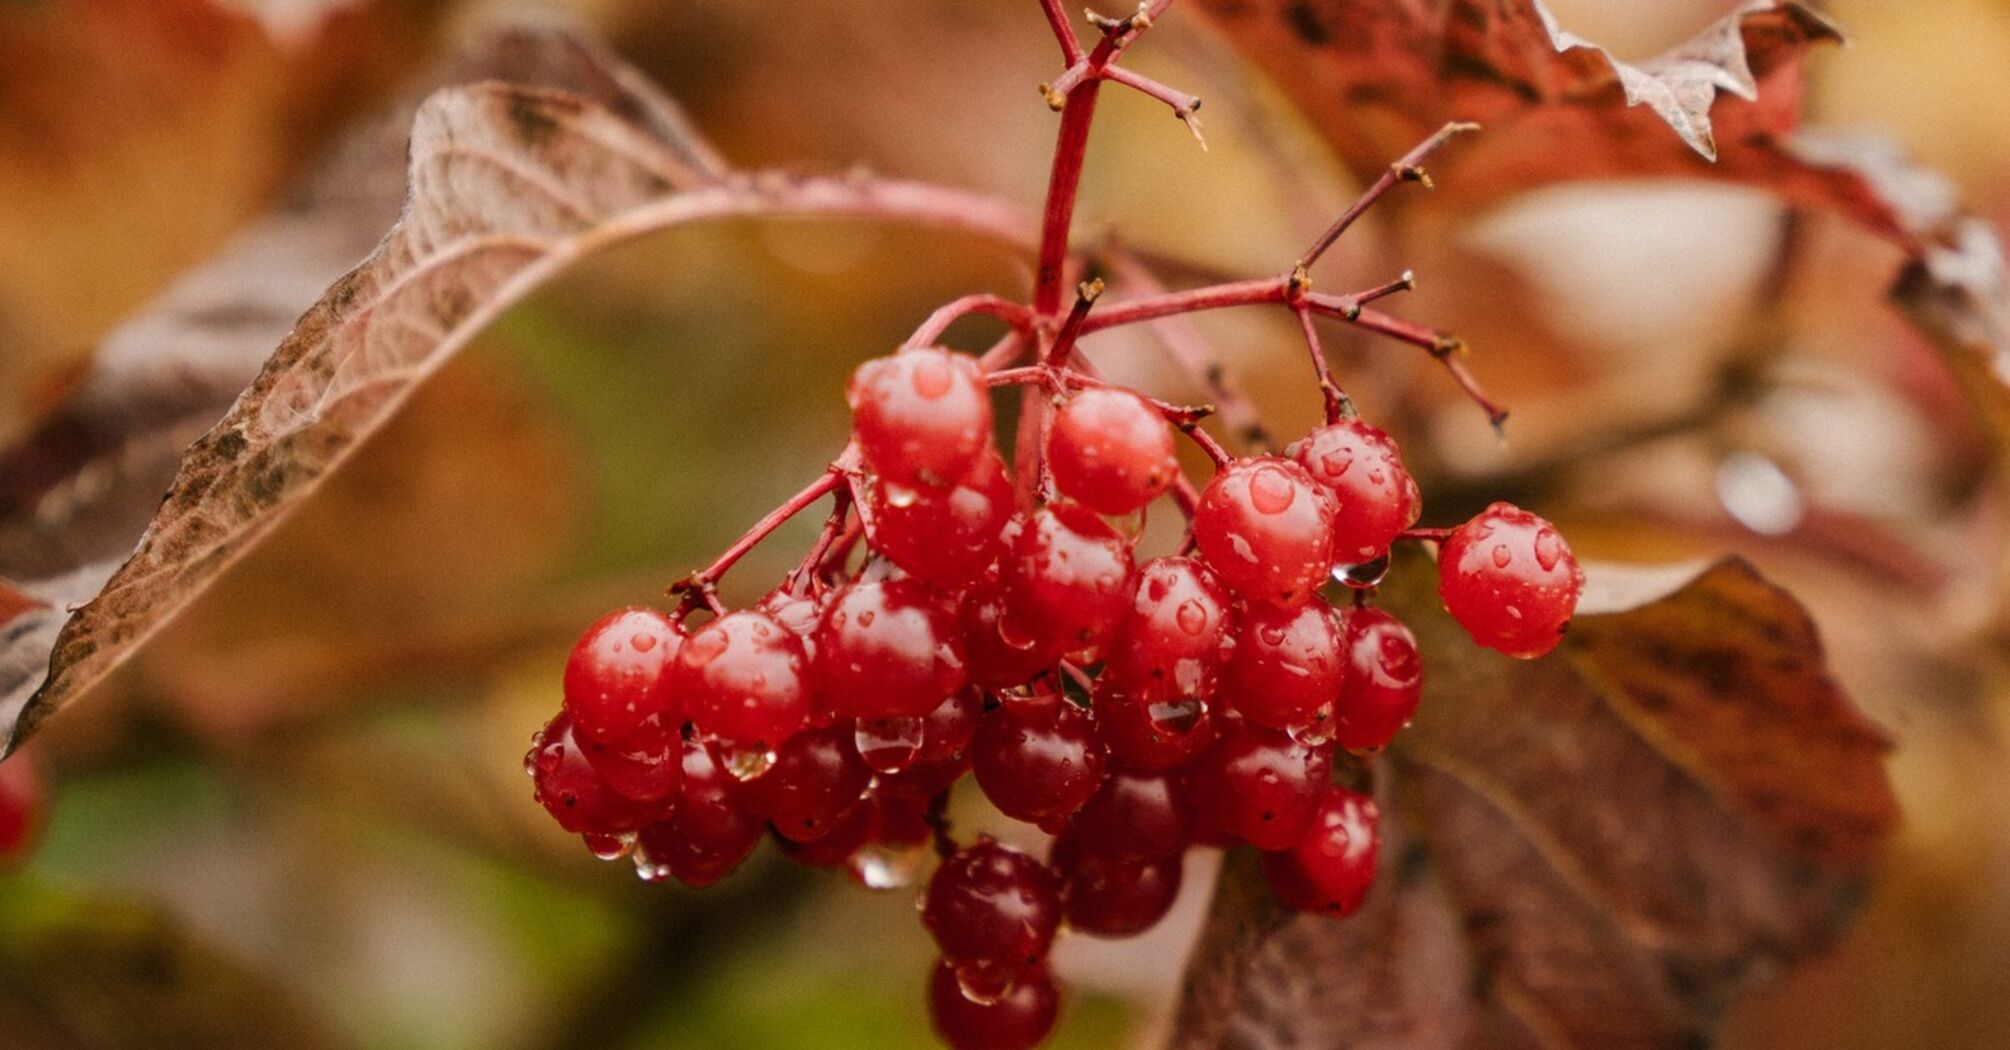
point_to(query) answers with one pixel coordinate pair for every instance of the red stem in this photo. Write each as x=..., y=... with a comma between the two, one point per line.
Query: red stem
x=1018, y=315
x=704, y=583
x=1195, y=300
x=1064, y=183
x=1338, y=405
x=1057, y=20
x=1408, y=169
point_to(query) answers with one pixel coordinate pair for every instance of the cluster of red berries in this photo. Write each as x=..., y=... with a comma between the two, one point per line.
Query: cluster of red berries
x=21, y=805
x=1130, y=710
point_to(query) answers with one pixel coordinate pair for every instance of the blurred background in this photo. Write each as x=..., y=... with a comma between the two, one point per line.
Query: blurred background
x=301, y=810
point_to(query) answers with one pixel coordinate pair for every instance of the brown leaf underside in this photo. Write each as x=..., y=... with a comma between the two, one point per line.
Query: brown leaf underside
x=1599, y=849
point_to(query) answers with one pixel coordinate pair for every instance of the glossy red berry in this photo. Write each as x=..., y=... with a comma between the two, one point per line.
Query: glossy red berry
x=921, y=416
x=1105, y=895
x=1153, y=734
x=1037, y=758
x=1374, y=497
x=21, y=805
x=711, y=830
x=642, y=777
x=1510, y=580
x=835, y=847
x=1287, y=664
x=1330, y=868
x=1385, y=679
x=816, y=779
x=887, y=649
x=799, y=613
x=573, y=791
x=992, y=911
x=1173, y=641
x=744, y=679
x=615, y=686
x=1067, y=579
x=1110, y=451
x=1266, y=529
x=1001, y=653
x=1260, y=785
x=1137, y=814
x=1020, y=1020
x=944, y=536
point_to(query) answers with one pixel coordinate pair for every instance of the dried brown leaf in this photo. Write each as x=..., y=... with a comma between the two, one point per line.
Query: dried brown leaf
x=1603, y=848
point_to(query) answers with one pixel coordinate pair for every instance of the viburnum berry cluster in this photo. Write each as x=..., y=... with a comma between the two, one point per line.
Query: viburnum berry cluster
x=965, y=611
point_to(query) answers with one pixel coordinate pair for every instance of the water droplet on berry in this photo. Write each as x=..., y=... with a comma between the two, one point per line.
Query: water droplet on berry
x=1548, y=549
x=1175, y=716
x=1191, y=616
x=889, y=745
x=1271, y=490
x=609, y=847
x=981, y=986
x=1337, y=463
x=1363, y=575
x=888, y=866
x=1502, y=556
x=746, y=763
x=865, y=618
x=1319, y=730
x=900, y=497
x=648, y=869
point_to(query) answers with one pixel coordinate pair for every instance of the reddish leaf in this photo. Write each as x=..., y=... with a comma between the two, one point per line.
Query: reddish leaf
x=1602, y=848
x=1379, y=77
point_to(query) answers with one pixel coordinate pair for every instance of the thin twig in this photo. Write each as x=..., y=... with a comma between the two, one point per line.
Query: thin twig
x=1408, y=169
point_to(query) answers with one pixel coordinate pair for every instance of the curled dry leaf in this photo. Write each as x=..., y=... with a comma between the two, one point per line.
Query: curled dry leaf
x=508, y=186
x=1601, y=848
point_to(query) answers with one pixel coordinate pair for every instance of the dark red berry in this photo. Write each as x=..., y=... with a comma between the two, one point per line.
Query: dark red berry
x=1260, y=786
x=921, y=416
x=1510, y=580
x=1374, y=497
x=1106, y=895
x=1018, y=1021
x=615, y=686
x=1330, y=868
x=833, y=849
x=1266, y=529
x=710, y=832
x=1110, y=451
x=1385, y=679
x=1067, y=579
x=816, y=779
x=743, y=678
x=1286, y=666
x=1153, y=734
x=1174, y=640
x=21, y=807
x=1139, y=814
x=887, y=649
x=573, y=791
x=944, y=536
x=1037, y=758
x=993, y=911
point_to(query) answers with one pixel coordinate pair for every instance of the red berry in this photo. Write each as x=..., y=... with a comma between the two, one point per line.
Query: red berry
x=1018, y=1021
x=1330, y=868
x=642, y=777
x=921, y=417
x=710, y=832
x=799, y=613
x=1510, y=580
x=993, y=911
x=615, y=687
x=574, y=792
x=1286, y=666
x=887, y=649
x=1137, y=814
x=945, y=536
x=835, y=847
x=1110, y=451
x=743, y=679
x=21, y=807
x=1266, y=528
x=1260, y=785
x=1374, y=497
x=1173, y=641
x=1037, y=758
x=816, y=779
x=1001, y=654
x=1067, y=579
x=1385, y=679
x=1106, y=895
x=1153, y=734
